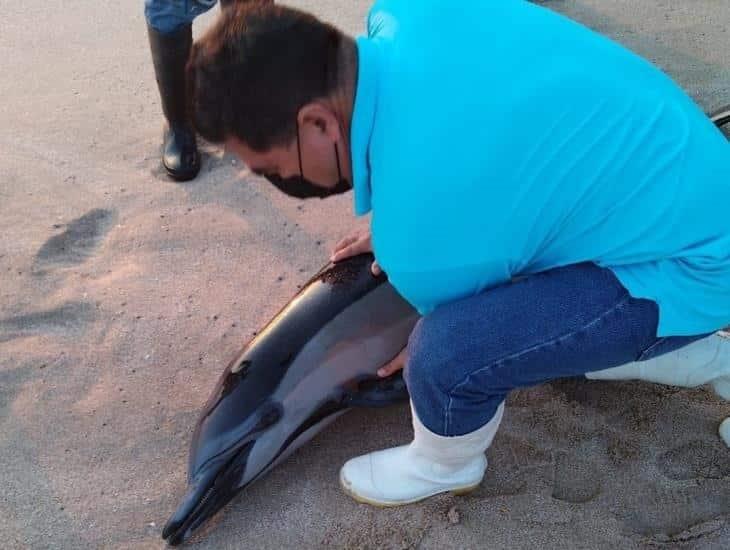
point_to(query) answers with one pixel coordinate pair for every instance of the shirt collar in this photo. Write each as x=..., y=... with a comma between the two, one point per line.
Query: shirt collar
x=363, y=121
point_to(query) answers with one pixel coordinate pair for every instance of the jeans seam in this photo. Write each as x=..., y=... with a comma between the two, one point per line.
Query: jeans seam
x=643, y=354
x=447, y=414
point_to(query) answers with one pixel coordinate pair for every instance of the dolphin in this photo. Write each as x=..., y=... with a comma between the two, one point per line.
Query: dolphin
x=721, y=118
x=313, y=361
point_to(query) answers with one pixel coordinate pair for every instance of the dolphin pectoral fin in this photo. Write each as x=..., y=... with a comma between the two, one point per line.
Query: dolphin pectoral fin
x=379, y=392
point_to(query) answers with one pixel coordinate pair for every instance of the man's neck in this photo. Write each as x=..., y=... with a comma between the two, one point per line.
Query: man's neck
x=343, y=100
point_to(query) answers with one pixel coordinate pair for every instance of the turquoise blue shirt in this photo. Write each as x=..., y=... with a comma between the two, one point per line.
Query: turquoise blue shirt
x=492, y=139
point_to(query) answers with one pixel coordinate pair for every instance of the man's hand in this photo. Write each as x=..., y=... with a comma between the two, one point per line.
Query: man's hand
x=395, y=364
x=357, y=243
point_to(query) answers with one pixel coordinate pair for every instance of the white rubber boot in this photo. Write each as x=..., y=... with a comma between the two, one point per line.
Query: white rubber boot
x=431, y=464
x=725, y=431
x=705, y=361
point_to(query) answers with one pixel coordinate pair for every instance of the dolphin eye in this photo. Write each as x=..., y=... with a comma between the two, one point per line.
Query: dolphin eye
x=269, y=418
x=234, y=377
x=242, y=368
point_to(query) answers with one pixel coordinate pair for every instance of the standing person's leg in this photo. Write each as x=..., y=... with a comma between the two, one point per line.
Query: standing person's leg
x=169, y=26
x=466, y=356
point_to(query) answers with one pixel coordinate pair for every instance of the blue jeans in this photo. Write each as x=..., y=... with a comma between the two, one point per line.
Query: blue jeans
x=167, y=16
x=466, y=356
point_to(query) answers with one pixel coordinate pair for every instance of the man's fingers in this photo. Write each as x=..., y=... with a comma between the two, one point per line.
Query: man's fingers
x=352, y=250
x=395, y=364
x=375, y=268
x=342, y=243
x=342, y=247
x=343, y=253
x=390, y=368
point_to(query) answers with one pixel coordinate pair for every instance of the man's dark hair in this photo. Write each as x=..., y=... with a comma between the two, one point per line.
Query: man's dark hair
x=255, y=68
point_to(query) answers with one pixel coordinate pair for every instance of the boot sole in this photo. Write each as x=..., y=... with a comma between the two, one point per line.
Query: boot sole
x=722, y=387
x=182, y=176
x=458, y=491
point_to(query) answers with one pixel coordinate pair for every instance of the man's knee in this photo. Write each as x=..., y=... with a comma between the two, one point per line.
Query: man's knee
x=451, y=390
x=451, y=354
x=432, y=365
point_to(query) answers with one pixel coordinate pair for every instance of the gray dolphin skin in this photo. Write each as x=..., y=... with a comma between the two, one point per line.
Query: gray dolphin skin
x=315, y=359
x=721, y=118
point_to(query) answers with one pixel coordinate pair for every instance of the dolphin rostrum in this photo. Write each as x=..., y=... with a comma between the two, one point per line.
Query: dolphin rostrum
x=314, y=360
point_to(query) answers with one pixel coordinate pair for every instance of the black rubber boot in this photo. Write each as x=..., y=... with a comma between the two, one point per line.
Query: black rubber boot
x=170, y=53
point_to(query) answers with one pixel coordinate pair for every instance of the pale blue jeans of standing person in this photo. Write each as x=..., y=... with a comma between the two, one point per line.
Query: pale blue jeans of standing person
x=167, y=16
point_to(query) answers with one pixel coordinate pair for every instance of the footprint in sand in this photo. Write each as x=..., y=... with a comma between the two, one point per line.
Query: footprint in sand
x=77, y=243
x=514, y=462
x=575, y=480
x=696, y=460
x=621, y=449
x=679, y=514
x=66, y=318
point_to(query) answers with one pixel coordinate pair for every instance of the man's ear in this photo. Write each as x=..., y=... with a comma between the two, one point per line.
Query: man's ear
x=321, y=117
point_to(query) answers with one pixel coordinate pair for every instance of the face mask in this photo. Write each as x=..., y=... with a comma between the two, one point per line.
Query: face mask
x=301, y=188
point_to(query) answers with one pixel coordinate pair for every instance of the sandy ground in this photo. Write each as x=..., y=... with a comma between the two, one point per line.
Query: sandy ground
x=123, y=295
